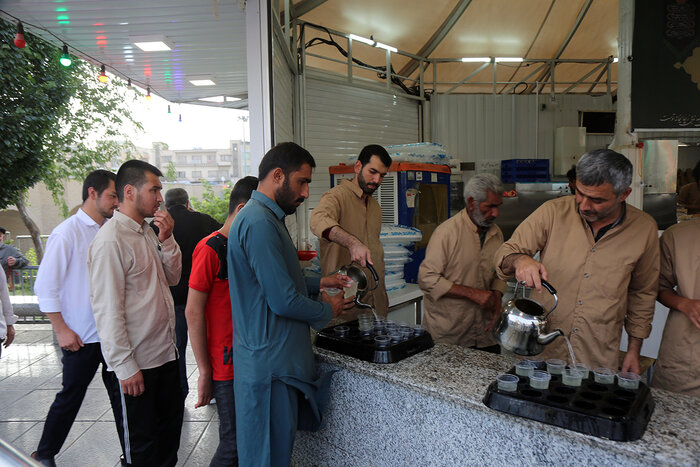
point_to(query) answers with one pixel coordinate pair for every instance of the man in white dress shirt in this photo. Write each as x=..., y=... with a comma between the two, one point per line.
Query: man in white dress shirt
x=62, y=287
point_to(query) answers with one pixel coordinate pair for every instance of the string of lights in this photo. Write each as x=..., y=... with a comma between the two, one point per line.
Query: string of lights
x=66, y=60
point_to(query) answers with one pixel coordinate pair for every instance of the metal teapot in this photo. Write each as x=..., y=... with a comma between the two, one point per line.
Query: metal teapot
x=521, y=325
x=356, y=273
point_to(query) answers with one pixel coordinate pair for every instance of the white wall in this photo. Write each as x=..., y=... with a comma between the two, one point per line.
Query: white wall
x=485, y=128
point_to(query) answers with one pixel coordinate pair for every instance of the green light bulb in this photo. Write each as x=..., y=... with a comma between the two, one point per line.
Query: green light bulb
x=65, y=59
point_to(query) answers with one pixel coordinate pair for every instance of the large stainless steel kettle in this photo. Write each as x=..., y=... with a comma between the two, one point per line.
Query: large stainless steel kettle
x=356, y=273
x=521, y=325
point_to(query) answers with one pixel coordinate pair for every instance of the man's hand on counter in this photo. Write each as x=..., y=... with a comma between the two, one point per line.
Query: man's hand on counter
x=631, y=360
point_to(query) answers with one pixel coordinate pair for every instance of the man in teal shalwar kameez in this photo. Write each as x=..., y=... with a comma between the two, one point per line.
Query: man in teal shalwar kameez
x=276, y=387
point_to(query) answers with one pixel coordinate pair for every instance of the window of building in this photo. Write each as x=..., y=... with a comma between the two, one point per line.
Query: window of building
x=181, y=174
x=182, y=159
x=197, y=159
x=196, y=174
x=225, y=158
x=166, y=159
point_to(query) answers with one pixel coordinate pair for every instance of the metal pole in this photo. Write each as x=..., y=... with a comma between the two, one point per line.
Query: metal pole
x=495, y=79
x=537, y=120
x=388, y=69
x=349, y=60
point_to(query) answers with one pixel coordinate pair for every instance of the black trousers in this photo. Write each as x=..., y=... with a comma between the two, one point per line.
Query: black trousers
x=149, y=425
x=79, y=369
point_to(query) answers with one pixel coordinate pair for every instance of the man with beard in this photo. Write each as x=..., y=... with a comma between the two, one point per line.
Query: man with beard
x=462, y=292
x=348, y=221
x=62, y=290
x=130, y=269
x=276, y=387
x=602, y=256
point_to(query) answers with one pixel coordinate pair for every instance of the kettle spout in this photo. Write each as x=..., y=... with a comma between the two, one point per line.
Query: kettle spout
x=545, y=339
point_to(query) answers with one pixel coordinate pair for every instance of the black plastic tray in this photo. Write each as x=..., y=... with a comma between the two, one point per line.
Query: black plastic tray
x=363, y=347
x=602, y=410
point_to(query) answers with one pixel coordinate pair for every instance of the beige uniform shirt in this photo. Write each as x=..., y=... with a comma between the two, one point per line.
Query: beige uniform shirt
x=344, y=206
x=130, y=274
x=689, y=194
x=455, y=256
x=601, y=285
x=678, y=366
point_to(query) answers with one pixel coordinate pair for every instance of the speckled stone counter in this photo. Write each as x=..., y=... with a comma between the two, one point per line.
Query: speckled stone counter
x=428, y=410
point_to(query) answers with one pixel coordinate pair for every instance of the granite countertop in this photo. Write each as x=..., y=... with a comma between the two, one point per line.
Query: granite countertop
x=462, y=376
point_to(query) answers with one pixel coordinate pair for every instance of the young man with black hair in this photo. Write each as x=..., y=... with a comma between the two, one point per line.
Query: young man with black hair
x=208, y=314
x=62, y=290
x=276, y=387
x=348, y=221
x=130, y=269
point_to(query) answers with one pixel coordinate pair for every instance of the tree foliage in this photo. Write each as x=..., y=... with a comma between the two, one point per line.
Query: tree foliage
x=56, y=123
x=215, y=206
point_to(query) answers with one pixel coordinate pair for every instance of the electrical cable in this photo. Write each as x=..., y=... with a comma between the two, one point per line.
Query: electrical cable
x=381, y=70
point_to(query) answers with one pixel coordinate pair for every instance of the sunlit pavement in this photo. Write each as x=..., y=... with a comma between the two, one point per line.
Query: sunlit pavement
x=30, y=377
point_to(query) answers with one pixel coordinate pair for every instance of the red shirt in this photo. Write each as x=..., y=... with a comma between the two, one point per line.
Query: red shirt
x=210, y=275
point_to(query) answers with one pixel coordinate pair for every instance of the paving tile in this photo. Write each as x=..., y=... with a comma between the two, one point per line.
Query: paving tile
x=35, y=405
x=205, y=448
x=10, y=431
x=29, y=441
x=10, y=396
x=98, y=445
x=32, y=407
x=191, y=434
x=30, y=377
x=33, y=363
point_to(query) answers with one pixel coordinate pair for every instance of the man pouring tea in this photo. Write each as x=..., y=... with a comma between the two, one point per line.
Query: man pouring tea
x=601, y=254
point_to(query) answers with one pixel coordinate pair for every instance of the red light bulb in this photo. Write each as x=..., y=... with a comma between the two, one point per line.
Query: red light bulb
x=19, y=37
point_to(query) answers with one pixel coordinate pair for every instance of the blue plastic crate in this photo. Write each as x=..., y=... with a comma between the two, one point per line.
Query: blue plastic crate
x=525, y=170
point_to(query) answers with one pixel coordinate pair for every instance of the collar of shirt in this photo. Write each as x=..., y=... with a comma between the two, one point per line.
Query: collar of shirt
x=270, y=204
x=85, y=219
x=603, y=230
x=129, y=222
x=353, y=187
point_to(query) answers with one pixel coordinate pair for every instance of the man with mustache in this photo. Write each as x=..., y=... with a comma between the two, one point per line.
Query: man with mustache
x=601, y=255
x=130, y=270
x=348, y=221
x=462, y=292
x=276, y=387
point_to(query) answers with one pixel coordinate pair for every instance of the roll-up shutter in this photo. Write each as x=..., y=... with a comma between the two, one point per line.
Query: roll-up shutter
x=282, y=94
x=340, y=119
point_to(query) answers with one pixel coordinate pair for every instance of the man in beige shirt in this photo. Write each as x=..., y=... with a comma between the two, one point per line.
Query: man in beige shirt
x=600, y=254
x=130, y=271
x=462, y=292
x=348, y=221
x=689, y=194
x=678, y=366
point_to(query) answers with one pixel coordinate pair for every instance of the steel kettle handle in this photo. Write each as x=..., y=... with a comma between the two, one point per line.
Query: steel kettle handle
x=374, y=276
x=553, y=291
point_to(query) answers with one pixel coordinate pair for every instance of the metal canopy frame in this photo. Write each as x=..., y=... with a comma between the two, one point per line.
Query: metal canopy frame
x=546, y=67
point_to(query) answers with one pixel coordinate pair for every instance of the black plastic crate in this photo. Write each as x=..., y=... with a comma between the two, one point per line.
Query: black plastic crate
x=602, y=410
x=357, y=345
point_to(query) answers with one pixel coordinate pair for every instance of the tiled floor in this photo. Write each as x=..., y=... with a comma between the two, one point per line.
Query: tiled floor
x=30, y=377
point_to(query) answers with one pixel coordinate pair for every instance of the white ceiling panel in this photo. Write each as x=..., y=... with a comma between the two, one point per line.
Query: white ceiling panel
x=208, y=39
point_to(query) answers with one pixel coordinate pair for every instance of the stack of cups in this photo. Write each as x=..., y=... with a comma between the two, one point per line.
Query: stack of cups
x=365, y=323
